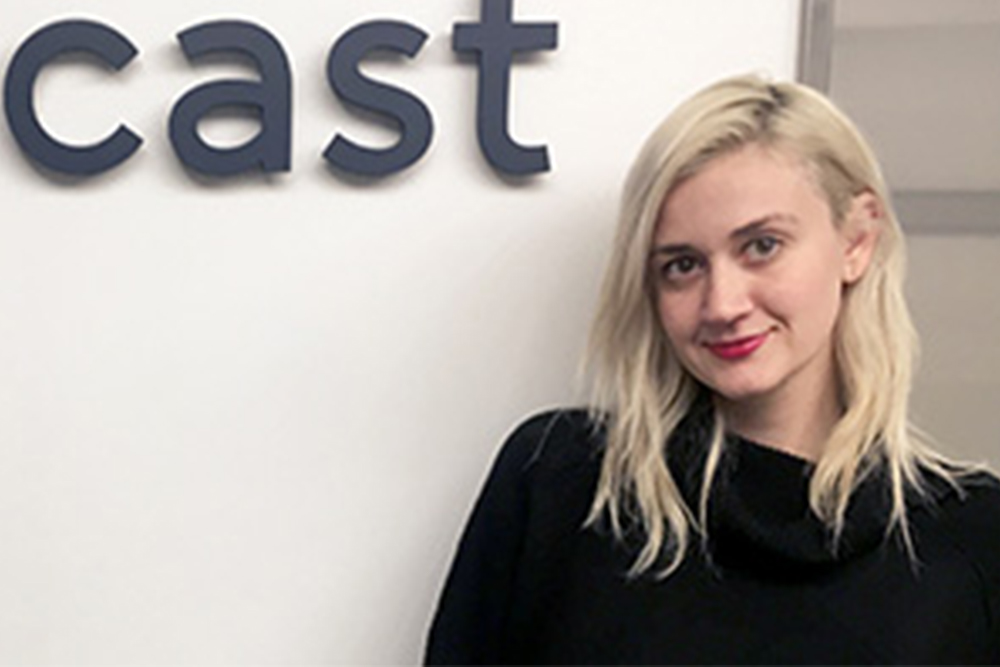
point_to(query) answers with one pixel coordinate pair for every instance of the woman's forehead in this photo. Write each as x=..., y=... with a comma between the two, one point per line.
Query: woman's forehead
x=737, y=190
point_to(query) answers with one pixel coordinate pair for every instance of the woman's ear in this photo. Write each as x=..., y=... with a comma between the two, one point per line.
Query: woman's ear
x=861, y=230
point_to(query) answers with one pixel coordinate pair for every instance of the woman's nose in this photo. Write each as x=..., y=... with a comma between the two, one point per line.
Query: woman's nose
x=727, y=295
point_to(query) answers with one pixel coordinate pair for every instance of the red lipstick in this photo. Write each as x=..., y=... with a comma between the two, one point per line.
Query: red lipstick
x=737, y=349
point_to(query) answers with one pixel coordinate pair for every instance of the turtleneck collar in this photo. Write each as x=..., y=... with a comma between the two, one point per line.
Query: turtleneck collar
x=759, y=515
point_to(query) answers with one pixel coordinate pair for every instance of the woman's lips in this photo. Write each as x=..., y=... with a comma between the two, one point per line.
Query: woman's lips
x=738, y=348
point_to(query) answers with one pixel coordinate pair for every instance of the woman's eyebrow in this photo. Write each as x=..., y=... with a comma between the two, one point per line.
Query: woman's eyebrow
x=672, y=249
x=742, y=232
x=755, y=226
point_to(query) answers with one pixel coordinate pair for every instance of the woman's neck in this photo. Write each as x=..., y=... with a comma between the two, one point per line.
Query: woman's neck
x=794, y=419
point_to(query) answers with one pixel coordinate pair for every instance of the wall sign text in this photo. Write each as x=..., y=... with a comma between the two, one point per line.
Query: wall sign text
x=492, y=41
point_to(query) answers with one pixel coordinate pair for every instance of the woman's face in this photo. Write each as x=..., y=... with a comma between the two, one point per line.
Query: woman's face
x=748, y=268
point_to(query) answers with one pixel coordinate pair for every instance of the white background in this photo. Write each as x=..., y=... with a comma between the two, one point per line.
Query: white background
x=244, y=422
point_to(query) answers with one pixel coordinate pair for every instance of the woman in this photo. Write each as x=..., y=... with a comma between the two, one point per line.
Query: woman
x=747, y=488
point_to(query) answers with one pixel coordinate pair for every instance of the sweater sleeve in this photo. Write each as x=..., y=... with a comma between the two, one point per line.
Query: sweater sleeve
x=974, y=526
x=982, y=530
x=469, y=623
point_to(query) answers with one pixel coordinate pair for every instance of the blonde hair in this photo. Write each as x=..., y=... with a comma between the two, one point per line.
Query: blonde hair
x=641, y=392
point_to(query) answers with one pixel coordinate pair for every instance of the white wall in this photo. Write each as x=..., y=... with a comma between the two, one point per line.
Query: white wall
x=244, y=423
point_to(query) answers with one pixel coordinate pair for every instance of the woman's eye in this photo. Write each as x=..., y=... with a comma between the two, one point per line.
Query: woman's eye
x=762, y=248
x=679, y=268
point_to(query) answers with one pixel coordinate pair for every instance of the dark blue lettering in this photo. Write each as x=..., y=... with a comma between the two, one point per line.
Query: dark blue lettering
x=41, y=48
x=351, y=86
x=495, y=39
x=270, y=100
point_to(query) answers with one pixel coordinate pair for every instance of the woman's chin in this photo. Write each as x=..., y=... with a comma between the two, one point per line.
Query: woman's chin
x=739, y=392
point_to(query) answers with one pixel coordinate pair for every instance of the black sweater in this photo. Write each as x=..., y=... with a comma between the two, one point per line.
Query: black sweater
x=530, y=585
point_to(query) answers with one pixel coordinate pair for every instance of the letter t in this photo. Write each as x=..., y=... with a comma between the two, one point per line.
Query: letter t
x=495, y=39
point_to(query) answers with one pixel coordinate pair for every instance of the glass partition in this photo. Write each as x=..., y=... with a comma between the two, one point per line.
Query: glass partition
x=920, y=78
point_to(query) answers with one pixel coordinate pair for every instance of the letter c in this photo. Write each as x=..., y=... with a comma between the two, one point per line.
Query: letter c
x=35, y=53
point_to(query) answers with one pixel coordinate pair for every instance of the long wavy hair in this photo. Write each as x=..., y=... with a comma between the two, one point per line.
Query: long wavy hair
x=641, y=392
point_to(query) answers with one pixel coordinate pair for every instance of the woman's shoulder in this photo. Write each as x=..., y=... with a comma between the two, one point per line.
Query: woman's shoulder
x=970, y=503
x=515, y=532
x=550, y=459
x=966, y=514
x=552, y=440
